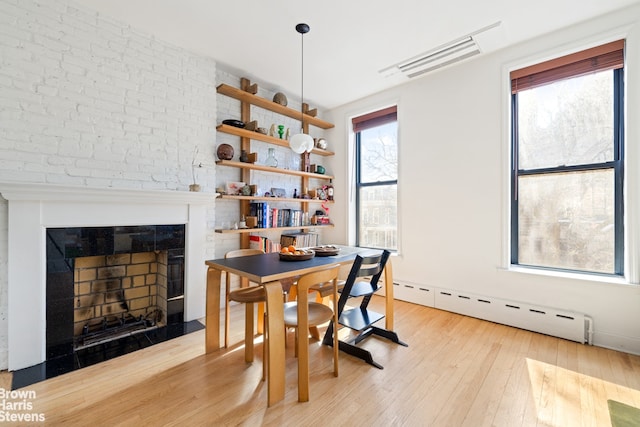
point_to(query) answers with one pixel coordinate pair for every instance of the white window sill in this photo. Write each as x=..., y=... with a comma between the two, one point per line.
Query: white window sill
x=610, y=280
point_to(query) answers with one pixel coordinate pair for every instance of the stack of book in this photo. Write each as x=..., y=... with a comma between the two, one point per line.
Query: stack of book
x=267, y=245
x=299, y=240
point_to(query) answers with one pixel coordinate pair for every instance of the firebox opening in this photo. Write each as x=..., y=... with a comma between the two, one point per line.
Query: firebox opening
x=119, y=295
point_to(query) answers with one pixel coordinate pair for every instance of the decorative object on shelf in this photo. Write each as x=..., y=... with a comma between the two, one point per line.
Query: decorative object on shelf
x=252, y=221
x=252, y=157
x=306, y=161
x=252, y=125
x=224, y=152
x=271, y=158
x=272, y=130
x=280, y=130
x=321, y=143
x=301, y=142
x=261, y=130
x=287, y=134
x=244, y=157
x=293, y=160
x=243, y=223
x=254, y=189
x=195, y=187
x=321, y=220
x=246, y=190
x=278, y=192
x=280, y=98
x=321, y=194
x=295, y=193
x=320, y=169
x=234, y=123
x=330, y=190
x=234, y=188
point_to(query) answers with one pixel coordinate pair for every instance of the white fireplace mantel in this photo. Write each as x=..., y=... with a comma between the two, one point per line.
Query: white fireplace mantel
x=35, y=207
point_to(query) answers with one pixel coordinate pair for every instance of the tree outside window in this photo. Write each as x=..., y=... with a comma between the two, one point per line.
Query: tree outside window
x=567, y=168
x=377, y=180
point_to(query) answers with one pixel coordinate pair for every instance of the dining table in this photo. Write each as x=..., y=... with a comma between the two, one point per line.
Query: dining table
x=269, y=270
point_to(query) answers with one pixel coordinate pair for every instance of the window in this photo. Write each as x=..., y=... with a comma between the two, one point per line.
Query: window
x=567, y=162
x=377, y=179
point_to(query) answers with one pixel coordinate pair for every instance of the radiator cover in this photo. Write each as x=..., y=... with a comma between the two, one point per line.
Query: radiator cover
x=546, y=320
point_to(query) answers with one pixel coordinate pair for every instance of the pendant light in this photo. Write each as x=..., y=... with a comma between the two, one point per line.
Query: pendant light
x=301, y=142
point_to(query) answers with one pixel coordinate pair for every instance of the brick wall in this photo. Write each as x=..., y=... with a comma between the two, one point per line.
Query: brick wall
x=86, y=100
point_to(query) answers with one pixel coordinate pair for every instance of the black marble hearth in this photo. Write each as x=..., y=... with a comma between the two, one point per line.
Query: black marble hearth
x=100, y=353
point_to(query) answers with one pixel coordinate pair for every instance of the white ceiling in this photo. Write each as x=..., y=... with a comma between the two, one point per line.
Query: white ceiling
x=350, y=40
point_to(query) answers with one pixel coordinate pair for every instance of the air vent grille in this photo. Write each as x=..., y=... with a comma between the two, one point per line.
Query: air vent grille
x=441, y=56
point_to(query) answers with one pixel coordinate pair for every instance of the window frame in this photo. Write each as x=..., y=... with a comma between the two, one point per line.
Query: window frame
x=546, y=70
x=360, y=123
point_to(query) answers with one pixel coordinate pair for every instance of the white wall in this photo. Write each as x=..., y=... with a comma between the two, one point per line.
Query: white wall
x=453, y=183
x=88, y=101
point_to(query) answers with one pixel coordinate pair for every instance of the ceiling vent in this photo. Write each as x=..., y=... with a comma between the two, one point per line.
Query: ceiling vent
x=446, y=54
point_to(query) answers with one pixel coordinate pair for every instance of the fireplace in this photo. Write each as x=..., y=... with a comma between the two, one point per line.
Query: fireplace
x=107, y=283
x=36, y=211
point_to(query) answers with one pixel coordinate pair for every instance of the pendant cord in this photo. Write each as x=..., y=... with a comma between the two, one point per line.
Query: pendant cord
x=302, y=85
x=302, y=29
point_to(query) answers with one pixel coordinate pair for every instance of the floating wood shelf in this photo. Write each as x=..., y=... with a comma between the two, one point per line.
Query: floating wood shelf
x=246, y=96
x=241, y=95
x=257, y=230
x=232, y=130
x=263, y=168
x=273, y=199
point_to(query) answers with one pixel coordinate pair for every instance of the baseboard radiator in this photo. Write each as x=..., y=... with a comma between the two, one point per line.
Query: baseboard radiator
x=550, y=321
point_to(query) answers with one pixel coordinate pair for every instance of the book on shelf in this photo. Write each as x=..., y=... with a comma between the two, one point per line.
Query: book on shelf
x=299, y=240
x=286, y=217
x=266, y=244
x=276, y=217
x=261, y=211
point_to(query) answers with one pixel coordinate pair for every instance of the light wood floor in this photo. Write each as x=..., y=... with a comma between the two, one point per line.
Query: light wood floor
x=457, y=371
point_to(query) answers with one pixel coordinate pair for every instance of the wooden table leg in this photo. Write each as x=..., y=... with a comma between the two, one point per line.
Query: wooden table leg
x=212, y=317
x=275, y=338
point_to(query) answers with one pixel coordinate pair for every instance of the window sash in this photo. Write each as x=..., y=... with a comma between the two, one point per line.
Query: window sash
x=375, y=120
x=617, y=165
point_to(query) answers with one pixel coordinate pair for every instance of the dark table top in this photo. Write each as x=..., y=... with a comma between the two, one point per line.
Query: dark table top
x=266, y=268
